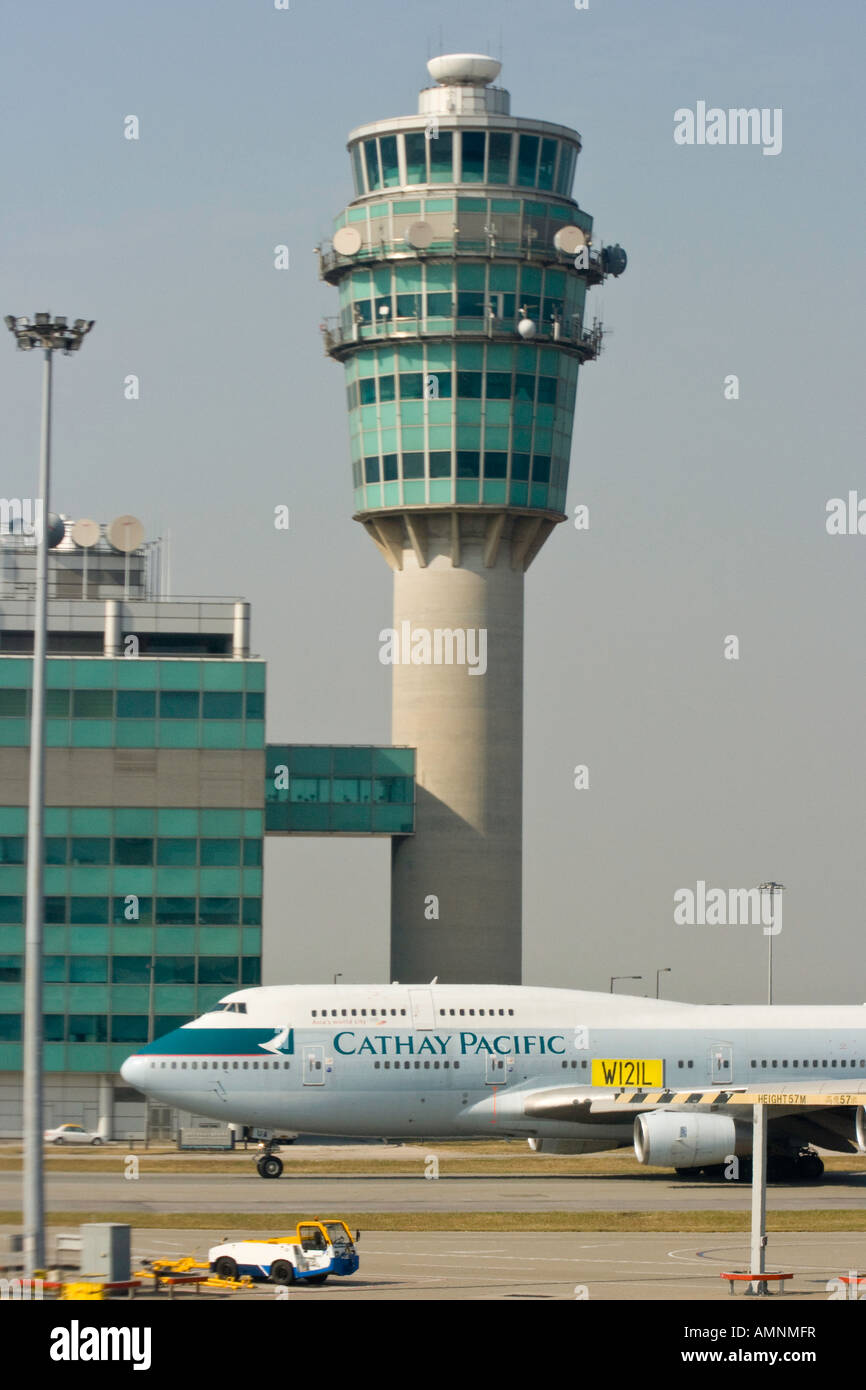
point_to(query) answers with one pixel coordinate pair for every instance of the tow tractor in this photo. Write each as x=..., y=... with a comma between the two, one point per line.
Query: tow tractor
x=317, y=1249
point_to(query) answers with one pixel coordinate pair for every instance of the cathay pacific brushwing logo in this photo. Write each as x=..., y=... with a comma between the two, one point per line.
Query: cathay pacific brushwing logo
x=282, y=1041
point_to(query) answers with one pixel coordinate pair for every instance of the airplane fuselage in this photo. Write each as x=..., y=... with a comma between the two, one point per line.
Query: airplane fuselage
x=450, y=1060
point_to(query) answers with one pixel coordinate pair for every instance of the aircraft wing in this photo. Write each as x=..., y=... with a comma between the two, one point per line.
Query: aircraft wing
x=585, y=1104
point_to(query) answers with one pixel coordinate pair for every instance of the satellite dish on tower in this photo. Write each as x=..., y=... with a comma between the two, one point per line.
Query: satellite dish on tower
x=125, y=533
x=346, y=241
x=56, y=530
x=419, y=235
x=570, y=239
x=85, y=533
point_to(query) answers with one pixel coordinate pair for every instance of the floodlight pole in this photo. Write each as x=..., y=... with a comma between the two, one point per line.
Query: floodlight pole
x=48, y=334
x=34, y=1183
x=771, y=888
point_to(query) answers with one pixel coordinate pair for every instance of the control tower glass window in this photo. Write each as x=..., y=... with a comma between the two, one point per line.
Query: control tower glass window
x=416, y=157
x=499, y=157
x=473, y=156
x=390, y=166
x=441, y=162
x=371, y=158
x=527, y=159
x=358, y=171
x=565, y=176
x=546, y=164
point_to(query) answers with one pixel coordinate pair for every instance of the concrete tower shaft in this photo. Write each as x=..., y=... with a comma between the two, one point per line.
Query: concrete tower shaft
x=463, y=265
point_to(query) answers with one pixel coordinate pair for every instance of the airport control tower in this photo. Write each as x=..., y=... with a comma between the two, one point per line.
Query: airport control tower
x=462, y=264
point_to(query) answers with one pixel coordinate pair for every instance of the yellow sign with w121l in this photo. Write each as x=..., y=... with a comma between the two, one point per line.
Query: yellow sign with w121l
x=627, y=1071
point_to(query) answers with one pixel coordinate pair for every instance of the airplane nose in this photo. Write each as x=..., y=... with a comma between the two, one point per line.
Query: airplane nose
x=133, y=1070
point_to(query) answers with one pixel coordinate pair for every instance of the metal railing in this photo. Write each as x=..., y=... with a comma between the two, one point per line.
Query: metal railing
x=337, y=336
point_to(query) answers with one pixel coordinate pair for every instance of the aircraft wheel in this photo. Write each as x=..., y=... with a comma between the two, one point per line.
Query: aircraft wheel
x=226, y=1268
x=270, y=1166
x=282, y=1272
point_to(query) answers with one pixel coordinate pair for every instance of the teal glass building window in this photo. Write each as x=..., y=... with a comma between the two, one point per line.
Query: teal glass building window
x=92, y=704
x=174, y=970
x=133, y=849
x=54, y=970
x=132, y=909
x=13, y=702
x=546, y=164
x=179, y=911
x=358, y=171
x=219, y=911
x=11, y=969
x=221, y=851
x=88, y=970
x=371, y=161
x=54, y=1027
x=89, y=850
x=473, y=156
x=179, y=704
x=416, y=156
x=218, y=970
x=251, y=970
x=527, y=159
x=90, y=911
x=179, y=852
x=129, y=1028
x=10, y=1027
x=136, y=704
x=498, y=157
x=130, y=970
x=12, y=849
x=390, y=167
x=89, y=1028
x=441, y=158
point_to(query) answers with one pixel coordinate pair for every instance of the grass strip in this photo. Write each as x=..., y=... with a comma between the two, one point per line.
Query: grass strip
x=484, y=1221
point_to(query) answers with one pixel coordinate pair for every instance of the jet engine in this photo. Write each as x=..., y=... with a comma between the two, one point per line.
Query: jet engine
x=667, y=1139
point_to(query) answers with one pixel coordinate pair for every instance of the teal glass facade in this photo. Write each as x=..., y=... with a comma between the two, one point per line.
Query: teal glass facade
x=150, y=911
x=451, y=403
x=106, y=702
x=339, y=790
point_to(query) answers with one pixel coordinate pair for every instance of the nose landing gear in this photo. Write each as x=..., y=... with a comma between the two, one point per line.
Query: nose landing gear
x=268, y=1165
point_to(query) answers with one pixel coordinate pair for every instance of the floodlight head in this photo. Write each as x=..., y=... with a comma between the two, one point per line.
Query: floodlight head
x=80, y=325
x=23, y=322
x=42, y=319
x=25, y=344
x=60, y=320
x=9, y=322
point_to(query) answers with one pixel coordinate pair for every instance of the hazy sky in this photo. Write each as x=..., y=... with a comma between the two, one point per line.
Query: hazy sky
x=707, y=515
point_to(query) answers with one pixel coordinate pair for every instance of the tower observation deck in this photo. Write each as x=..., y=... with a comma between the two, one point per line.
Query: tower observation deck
x=463, y=265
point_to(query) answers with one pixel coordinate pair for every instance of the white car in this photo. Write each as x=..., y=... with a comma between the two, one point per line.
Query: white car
x=71, y=1134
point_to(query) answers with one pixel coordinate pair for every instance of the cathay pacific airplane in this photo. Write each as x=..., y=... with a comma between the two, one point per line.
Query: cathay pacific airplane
x=573, y=1072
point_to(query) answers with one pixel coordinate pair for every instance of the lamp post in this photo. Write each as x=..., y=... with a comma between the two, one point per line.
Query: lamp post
x=772, y=889
x=665, y=970
x=50, y=335
x=623, y=977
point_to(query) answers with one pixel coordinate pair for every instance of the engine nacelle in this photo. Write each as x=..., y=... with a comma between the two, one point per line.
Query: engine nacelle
x=573, y=1146
x=860, y=1128
x=666, y=1139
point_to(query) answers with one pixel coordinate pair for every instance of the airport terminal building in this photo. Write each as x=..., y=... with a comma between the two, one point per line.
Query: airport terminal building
x=159, y=790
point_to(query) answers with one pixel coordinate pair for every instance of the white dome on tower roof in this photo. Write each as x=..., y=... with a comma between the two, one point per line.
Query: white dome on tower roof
x=473, y=68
